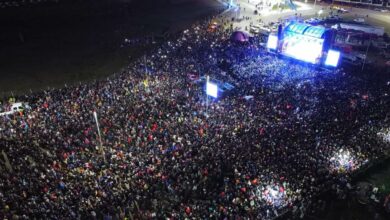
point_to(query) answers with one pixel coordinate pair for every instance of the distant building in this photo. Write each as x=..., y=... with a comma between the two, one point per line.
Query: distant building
x=368, y=29
x=367, y=2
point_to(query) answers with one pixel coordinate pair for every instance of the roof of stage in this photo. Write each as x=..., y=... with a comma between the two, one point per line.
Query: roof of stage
x=306, y=29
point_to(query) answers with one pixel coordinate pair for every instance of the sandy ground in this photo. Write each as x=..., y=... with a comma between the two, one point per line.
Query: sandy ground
x=53, y=46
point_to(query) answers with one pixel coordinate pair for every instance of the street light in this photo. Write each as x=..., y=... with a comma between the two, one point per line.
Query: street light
x=207, y=95
x=211, y=90
x=320, y=12
x=365, y=57
x=100, y=136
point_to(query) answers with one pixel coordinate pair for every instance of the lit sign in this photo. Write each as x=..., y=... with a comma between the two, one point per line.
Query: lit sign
x=333, y=58
x=272, y=42
x=212, y=89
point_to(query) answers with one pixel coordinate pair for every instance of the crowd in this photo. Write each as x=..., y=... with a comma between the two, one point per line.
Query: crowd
x=162, y=156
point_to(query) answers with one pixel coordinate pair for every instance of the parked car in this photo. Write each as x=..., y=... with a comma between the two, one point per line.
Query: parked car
x=359, y=20
x=265, y=29
x=333, y=18
x=342, y=10
x=339, y=9
x=254, y=30
x=380, y=10
x=313, y=20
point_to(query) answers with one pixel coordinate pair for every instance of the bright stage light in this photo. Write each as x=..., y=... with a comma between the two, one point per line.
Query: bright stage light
x=344, y=158
x=212, y=89
x=302, y=47
x=273, y=194
x=343, y=161
x=385, y=135
x=303, y=42
x=272, y=42
x=333, y=58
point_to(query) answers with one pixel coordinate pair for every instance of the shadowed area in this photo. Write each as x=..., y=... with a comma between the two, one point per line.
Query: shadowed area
x=74, y=41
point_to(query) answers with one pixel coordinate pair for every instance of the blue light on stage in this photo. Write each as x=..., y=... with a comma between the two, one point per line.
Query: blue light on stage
x=303, y=42
x=272, y=42
x=301, y=47
x=305, y=52
x=333, y=58
x=212, y=89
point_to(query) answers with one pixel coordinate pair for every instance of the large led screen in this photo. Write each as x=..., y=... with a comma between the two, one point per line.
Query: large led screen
x=333, y=58
x=301, y=47
x=212, y=89
x=272, y=42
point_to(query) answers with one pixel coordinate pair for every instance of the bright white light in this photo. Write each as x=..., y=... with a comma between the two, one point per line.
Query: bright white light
x=344, y=158
x=274, y=194
x=343, y=161
x=385, y=135
x=212, y=89
x=333, y=58
x=303, y=48
x=272, y=42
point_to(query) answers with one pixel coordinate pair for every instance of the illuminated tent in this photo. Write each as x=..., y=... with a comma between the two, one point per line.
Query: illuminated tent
x=239, y=36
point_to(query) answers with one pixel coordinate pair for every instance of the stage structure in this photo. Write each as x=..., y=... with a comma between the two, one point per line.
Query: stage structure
x=272, y=3
x=305, y=42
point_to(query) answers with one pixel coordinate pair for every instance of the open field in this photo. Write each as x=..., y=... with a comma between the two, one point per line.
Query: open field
x=53, y=45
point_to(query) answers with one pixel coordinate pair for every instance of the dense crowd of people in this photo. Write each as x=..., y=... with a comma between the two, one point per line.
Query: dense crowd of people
x=263, y=148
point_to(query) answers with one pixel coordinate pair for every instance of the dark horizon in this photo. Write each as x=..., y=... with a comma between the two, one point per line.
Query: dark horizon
x=18, y=3
x=84, y=39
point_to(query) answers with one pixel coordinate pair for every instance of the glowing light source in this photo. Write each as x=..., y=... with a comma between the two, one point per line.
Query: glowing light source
x=212, y=89
x=343, y=161
x=333, y=58
x=302, y=47
x=273, y=194
x=385, y=135
x=272, y=42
